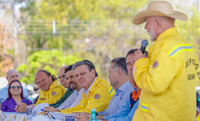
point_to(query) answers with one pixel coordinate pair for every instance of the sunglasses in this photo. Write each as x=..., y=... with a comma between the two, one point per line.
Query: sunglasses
x=15, y=87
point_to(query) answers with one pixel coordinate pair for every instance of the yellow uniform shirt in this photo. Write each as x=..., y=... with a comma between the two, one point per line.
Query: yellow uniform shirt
x=52, y=95
x=99, y=97
x=167, y=80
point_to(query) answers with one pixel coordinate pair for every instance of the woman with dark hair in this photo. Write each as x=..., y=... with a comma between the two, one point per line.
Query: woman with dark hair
x=15, y=97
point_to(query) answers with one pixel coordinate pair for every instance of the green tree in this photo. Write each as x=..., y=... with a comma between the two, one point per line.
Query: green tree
x=51, y=61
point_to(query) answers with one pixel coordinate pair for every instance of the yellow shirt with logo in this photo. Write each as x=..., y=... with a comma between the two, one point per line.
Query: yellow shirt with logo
x=52, y=95
x=167, y=79
x=99, y=97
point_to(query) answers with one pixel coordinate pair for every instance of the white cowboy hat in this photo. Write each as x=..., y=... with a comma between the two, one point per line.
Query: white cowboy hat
x=158, y=8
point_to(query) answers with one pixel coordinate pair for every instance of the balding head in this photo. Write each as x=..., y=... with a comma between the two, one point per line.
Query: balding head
x=61, y=71
x=11, y=75
x=61, y=75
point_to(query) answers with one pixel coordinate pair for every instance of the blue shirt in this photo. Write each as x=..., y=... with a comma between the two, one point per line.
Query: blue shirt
x=9, y=104
x=4, y=93
x=118, y=100
x=124, y=110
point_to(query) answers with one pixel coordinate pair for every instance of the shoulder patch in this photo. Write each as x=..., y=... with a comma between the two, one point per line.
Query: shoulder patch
x=155, y=64
x=97, y=96
x=53, y=93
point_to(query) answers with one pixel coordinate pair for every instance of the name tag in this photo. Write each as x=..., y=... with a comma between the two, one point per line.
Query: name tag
x=42, y=98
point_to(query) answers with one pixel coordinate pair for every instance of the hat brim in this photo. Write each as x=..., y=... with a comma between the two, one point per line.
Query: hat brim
x=140, y=17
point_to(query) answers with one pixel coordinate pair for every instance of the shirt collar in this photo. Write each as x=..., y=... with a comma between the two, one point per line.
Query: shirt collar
x=86, y=91
x=81, y=90
x=166, y=33
x=122, y=88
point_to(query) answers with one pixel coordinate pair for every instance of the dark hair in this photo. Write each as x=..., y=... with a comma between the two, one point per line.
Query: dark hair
x=9, y=94
x=88, y=63
x=120, y=62
x=132, y=51
x=69, y=68
x=48, y=74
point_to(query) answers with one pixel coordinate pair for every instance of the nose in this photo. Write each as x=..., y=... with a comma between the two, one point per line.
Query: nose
x=16, y=78
x=61, y=79
x=78, y=78
x=42, y=83
x=68, y=80
x=130, y=67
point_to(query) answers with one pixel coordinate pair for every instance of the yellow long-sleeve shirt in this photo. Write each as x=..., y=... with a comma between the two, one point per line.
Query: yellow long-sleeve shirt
x=167, y=80
x=99, y=97
x=52, y=95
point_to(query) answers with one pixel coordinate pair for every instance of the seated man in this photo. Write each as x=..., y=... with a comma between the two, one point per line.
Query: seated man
x=10, y=76
x=129, y=108
x=97, y=92
x=51, y=91
x=76, y=96
x=64, y=82
x=133, y=101
x=119, y=77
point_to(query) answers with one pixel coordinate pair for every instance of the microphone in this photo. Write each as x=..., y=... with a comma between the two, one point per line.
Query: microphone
x=144, y=44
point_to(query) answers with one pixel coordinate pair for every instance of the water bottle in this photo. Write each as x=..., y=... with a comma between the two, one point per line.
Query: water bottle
x=93, y=115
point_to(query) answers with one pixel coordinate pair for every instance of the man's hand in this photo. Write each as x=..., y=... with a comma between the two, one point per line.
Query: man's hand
x=21, y=108
x=138, y=54
x=50, y=109
x=82, y=117
x=86, y=117
x=100, y=117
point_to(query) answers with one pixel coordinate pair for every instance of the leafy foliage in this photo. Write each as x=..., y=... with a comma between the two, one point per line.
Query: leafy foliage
x=51, y=61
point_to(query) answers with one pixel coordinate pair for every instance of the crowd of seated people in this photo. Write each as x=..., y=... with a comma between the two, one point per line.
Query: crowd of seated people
x=80, y=89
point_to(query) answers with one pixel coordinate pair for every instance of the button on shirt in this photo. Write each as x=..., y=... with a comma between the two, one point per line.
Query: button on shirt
x=73, y=100
x=118, y=100
x=4, y=93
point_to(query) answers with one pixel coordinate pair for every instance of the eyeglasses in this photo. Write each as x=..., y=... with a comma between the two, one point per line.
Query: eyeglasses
x=15, y=87
x=62, y=77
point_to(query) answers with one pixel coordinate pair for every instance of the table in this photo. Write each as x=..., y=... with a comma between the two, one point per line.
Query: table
x=29, y=117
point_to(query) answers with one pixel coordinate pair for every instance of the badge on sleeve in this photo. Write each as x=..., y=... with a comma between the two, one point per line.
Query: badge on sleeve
x=53, y=93
x=97, y=96
x=155, y=64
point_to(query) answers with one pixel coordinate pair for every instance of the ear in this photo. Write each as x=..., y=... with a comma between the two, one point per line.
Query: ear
x=50, y=78
x=93, y=72
x=157, y=26
x=119, y=72
x=158, y=23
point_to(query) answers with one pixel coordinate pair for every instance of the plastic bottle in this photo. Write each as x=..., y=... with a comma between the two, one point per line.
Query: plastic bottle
x=93, y=115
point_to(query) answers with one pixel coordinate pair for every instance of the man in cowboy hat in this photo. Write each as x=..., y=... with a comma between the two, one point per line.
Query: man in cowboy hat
x=167, y=77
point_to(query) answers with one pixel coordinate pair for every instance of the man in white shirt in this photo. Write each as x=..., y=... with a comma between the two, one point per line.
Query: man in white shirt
x=76, y=96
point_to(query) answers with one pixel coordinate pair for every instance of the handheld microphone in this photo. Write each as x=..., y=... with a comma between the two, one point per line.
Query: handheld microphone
x=144, y=44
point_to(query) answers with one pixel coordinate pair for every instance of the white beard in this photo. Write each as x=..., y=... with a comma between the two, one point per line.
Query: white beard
x=152, y=33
